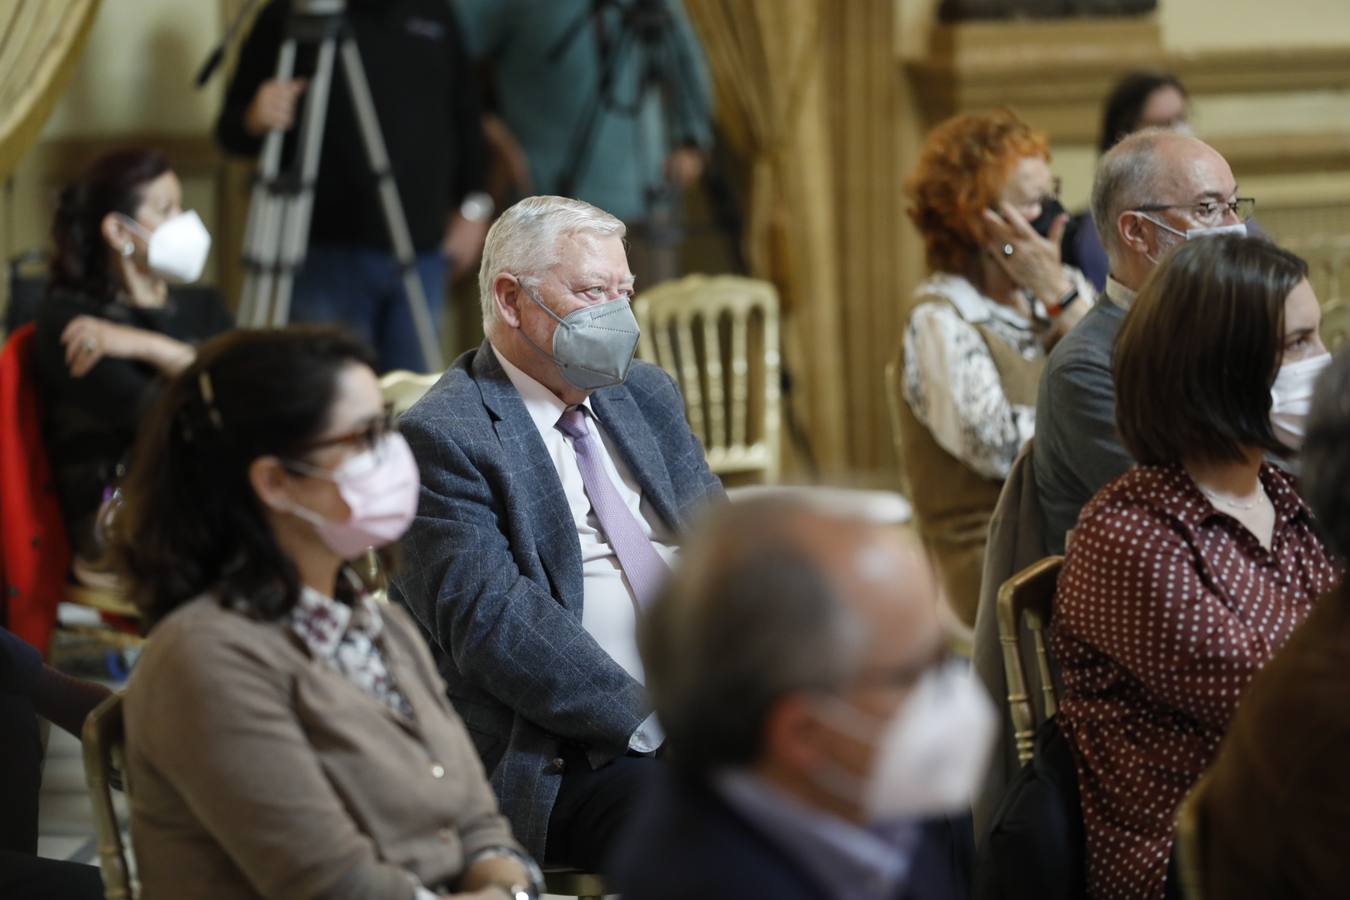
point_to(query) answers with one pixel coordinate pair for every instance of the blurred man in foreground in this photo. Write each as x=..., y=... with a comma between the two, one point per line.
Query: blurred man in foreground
x=818, y=733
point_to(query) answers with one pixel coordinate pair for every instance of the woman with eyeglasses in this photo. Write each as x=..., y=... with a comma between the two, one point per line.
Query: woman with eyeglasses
x=288, y=736
x=996, y=299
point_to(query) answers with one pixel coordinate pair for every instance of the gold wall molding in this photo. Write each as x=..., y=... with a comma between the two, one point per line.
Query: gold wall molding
x=61, y=159
x=1055, y=74
x=1286, y=154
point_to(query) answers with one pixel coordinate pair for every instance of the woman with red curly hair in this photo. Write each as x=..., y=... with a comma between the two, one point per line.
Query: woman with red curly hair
x=997, y=297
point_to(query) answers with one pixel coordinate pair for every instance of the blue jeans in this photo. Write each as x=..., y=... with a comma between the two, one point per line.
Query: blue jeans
x=362, y=289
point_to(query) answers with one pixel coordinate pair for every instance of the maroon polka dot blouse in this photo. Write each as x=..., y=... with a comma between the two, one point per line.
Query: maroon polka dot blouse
x=1165, y=609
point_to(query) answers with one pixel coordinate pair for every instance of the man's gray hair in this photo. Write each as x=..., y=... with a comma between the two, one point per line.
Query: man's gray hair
x=524, y=241
x=1128, y=176
x=750, y=615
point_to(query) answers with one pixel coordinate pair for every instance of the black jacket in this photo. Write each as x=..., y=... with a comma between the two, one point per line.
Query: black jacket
x=1035, y=849
x=686, y=843
x=427, y=101
x=90, y=423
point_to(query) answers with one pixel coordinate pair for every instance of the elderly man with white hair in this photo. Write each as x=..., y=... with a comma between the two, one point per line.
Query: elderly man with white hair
x=557, y=476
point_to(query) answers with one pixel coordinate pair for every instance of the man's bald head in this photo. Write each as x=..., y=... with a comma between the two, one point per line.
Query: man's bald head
x=771, y=597
x=1153, y=167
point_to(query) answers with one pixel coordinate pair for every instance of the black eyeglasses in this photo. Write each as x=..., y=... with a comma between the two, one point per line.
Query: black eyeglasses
x=366, y=437
x=1209, y=211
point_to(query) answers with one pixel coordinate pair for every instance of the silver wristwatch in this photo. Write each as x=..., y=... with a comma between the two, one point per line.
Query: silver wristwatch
x=517, y=890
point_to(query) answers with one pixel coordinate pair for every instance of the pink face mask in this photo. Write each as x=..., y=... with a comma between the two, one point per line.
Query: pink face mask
x=380, y=487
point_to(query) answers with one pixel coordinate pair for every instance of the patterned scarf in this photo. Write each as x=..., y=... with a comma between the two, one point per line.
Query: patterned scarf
x=347, y=639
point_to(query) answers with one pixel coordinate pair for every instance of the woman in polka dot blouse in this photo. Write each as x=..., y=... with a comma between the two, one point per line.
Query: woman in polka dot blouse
x=1185, y=574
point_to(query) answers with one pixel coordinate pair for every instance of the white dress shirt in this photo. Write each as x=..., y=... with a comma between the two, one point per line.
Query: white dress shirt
x=609, y=609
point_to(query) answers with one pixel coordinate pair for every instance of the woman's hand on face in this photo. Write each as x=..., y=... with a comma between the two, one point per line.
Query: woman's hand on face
x=1034, y=264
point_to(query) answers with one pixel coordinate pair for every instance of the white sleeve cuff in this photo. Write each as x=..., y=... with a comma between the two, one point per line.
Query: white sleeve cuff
x=648, y=736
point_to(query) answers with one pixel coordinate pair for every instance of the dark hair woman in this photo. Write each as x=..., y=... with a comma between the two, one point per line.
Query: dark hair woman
x=110, y=328
x=1142, y=99
x=1188, y=572
x=1283, y=761
x=287, y=734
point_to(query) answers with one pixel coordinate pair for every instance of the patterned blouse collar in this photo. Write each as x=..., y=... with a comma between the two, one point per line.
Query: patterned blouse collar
x=321, y=622
x=346, y=639
x=973, y=306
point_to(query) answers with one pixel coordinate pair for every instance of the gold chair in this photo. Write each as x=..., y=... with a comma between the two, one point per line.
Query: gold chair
x=104, y=765
x=718, y=337
x=568, y=882
x=1189, y=834
x=401, y=388
x=1027, y=596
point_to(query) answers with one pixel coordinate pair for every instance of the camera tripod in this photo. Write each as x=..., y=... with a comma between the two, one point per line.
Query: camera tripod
x=282, y=202
x=645, y=35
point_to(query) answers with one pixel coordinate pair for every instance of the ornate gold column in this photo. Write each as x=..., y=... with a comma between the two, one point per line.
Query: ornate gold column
x=864, y=120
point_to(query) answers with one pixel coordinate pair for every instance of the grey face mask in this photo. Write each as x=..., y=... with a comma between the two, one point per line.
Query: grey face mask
x=592, y=346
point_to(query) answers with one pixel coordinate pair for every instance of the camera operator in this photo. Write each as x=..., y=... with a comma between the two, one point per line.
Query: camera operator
x=648, y=142
x=429, y=109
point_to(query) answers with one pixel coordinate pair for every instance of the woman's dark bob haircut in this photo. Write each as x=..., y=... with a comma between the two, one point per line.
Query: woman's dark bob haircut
x=1199, y=351
x=190, y=521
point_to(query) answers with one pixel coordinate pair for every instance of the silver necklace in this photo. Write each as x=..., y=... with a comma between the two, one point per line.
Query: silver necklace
x=1233, y=504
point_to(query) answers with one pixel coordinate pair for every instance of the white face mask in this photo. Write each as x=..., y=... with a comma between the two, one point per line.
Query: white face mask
x=177, y=249
x=1291, y=396
x=930, y=755
x=1191, y=234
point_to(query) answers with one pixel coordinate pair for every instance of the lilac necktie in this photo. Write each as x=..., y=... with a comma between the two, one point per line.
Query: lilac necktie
x=640, y=562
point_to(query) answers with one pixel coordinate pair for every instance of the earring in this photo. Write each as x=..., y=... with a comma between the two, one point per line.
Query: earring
x=128, y=248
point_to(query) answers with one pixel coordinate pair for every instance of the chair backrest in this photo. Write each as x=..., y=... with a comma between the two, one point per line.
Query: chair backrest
x=1189, y=840
x=718, y=337
x=104, y=766
x=27, y=287
x=34, y=552
x=1028, y=596
x=403, y=388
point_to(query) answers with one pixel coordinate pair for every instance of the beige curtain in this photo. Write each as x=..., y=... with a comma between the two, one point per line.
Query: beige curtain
x=766, y=59
x=40, y=44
